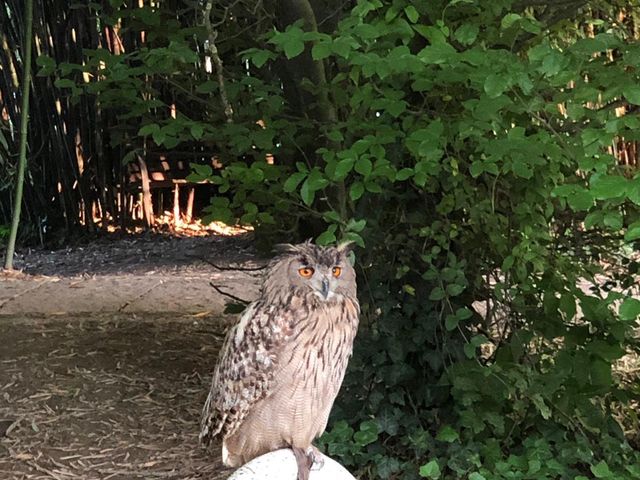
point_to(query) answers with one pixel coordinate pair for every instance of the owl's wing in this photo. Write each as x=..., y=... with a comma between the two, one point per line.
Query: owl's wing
x=246, y=368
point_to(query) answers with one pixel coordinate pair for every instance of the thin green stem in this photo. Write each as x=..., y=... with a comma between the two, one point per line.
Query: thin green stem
x=24, y=124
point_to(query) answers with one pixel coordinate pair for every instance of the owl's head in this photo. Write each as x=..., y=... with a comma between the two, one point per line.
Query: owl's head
x=306, y=268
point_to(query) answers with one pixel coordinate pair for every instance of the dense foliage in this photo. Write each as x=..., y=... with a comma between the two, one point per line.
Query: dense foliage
x=468, y=148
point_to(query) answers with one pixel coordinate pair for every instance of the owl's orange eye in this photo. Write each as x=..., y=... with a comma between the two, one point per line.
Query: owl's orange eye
x=337, y=271
x=306, y=272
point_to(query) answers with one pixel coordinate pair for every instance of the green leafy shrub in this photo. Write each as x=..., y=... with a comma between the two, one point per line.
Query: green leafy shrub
x=465, y=147
x=454, y=165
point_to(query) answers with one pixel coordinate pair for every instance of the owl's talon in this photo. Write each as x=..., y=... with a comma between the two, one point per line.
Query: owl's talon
x=304, y=461
x=316, y=458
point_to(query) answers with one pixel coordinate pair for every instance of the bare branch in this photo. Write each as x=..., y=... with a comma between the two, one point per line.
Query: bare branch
x=217, y=61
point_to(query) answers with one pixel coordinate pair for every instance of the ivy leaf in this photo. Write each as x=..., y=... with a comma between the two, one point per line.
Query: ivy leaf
x=291, y=41
x=604, y=187
x=437, y=54
x=321, y=50
x=148, y=129
x=455, y=289
x=335, y=136
x=632, y=94
x=633, y=232
x=293, y=181
x=420, y=178
x=477, y=476
x=343, y=167
x=368, y=433
x=317, y=180
x=411, y=13
x=203, y=171
x=364, y=166
x=467, y=33
x=328, y=236
x=260, y=57
x=306, y=193
x=437, y=294
x=355, y=238
x=580, y=200
x=372, y=187
x=447, y=434
x=476, y=168
x=356, y=190
x=613, y=220
x=404, y=174
x=522, y=169
x=630, y=309
x=356, y=225
x=509, y=19
x=197, y=131
x=601, y=470
x=293, y=48
x=158, y=136
x=430, y=470
x=495, y=85
x=451, y=322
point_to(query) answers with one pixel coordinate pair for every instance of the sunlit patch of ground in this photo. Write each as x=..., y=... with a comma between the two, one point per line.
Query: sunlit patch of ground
x=193, y=228
x=114, y=397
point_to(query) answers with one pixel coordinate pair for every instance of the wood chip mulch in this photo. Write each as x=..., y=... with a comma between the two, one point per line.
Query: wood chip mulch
x=106, y=398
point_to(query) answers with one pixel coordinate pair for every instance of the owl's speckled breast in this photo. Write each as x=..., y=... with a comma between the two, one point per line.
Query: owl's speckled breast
x=309, y=376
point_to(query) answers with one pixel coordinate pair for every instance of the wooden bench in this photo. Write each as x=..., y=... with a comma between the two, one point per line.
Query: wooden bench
x=163, y=170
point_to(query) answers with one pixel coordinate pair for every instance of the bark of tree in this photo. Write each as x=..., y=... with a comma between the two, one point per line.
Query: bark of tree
x=315, y=105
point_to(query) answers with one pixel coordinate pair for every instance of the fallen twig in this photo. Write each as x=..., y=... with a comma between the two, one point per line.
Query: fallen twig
x=231, y=296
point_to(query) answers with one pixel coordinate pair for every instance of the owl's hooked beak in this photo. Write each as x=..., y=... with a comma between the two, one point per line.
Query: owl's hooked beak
x=321, y=287
x=325, y=287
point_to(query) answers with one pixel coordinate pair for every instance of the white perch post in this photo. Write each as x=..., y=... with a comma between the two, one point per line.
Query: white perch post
x=281, y=465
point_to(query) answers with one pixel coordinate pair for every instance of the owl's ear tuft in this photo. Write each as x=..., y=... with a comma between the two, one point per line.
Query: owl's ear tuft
x=285, y=248
x=346, y=247
x=289, y=248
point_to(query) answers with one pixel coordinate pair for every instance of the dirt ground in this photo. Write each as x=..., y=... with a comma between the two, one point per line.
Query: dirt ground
x=148, y=274
x=117, y=397
x=104, y=392
x=147, y=254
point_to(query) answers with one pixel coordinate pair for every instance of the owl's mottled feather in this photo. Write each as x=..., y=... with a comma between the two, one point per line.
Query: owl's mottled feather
x=282, y=364
x=245, y=371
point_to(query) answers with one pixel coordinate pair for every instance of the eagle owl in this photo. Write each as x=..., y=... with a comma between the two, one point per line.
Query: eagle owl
x=282, y=364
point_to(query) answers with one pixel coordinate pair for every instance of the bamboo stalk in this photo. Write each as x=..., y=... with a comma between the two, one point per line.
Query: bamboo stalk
x=24, y=127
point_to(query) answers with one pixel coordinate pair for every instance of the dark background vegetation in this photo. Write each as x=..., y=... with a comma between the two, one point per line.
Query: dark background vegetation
x=482, y=155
